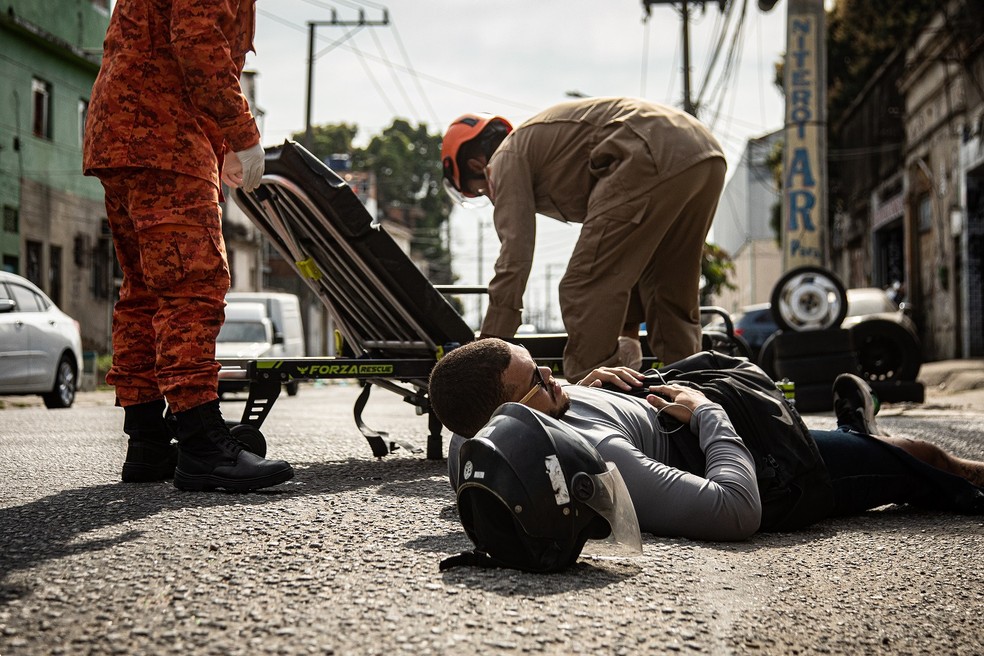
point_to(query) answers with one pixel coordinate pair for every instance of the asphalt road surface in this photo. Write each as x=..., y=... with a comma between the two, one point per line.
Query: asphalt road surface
x=344, y=558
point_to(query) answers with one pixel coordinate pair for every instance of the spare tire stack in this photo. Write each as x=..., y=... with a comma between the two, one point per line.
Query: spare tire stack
x=811, y=349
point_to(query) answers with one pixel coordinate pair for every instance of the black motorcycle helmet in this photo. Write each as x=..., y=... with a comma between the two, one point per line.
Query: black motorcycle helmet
x=531, y=492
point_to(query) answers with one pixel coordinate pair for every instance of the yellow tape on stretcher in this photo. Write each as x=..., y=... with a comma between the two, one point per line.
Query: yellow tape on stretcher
x=309, y=269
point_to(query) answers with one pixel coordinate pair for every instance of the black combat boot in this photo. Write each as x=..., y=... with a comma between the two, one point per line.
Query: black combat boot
x=150, y=455
x=210, y=457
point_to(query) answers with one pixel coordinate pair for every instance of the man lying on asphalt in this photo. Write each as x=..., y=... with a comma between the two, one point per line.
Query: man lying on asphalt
x=689, y=472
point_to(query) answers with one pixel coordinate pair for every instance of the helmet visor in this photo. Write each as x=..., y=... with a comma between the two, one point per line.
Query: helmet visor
x=611, y=500
x=461, y=200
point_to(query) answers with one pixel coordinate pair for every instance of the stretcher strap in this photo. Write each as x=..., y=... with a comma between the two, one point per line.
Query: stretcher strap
x=375, y=438
x=309, y=269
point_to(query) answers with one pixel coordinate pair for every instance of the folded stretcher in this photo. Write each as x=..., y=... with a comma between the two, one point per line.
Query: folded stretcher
x=394, y=323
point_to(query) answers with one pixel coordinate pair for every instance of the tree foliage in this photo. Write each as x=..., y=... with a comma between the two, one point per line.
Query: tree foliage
x=773, y=160
x=861, y=34
x=327, y=140
x=715, y=267
x=406, y=162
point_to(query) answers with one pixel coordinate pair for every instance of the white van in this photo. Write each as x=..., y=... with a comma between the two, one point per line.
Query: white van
x=260, y=325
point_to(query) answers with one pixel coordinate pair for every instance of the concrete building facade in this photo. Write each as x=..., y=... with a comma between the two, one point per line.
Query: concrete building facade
x=906, y=163
x=743, y=226
x=943, y=87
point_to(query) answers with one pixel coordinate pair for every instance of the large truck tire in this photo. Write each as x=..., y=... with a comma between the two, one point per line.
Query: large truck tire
x=767, y=356
x=814, y=398
x=814, y=343
x=817, y=370
x=886, y=350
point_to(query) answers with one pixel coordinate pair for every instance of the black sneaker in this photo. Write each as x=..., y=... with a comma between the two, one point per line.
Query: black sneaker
x=855, y=405
x=209, y=457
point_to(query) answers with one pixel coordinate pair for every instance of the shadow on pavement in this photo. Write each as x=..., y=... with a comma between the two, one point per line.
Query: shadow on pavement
x=48, y=528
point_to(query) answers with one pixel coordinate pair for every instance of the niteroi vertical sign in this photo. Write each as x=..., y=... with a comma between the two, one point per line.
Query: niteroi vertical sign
x=804, y=201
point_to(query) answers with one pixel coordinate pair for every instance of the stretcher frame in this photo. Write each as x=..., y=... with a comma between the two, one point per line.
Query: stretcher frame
x=393, y=323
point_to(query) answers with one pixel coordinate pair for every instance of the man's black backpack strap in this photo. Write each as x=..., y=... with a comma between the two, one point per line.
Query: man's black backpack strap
x=792, y=478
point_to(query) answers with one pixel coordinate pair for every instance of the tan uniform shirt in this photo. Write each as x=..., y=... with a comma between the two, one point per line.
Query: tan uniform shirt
x=572, y=162
x=168, y=95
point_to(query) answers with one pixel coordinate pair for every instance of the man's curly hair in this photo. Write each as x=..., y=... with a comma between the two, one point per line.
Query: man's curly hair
x=466, y=385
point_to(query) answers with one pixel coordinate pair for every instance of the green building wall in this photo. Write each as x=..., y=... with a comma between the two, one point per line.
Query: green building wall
x=59, y=212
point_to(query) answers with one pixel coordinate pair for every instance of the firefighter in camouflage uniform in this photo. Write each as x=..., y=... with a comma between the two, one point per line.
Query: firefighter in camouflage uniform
x=167, y=119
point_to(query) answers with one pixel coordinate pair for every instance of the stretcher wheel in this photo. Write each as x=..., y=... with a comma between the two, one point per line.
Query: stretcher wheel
x=251, y=438
x=809, y=298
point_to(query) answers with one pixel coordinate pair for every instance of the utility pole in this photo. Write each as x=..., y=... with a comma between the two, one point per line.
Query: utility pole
x=334, y=22
x=688, y=103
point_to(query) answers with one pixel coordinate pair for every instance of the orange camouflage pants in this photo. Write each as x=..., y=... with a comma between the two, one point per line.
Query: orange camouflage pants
x=167, y=233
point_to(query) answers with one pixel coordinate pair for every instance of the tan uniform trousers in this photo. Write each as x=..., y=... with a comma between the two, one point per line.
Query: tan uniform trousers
x=643, y=267
x=167, y=233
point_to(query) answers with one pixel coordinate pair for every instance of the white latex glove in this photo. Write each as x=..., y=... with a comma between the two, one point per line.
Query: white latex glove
x=252, y=160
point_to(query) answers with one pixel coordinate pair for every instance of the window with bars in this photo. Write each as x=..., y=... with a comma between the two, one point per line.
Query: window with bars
x=41, y=104
x=33, y=272
x=55, y=274
x=11, y=219
x=925, y=213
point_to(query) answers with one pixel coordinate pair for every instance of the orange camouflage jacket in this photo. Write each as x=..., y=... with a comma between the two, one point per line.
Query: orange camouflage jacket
x=168, y=94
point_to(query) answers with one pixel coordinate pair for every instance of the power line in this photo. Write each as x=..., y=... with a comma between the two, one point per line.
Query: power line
x=415, y=77
x=396, y=79
x=411, y=71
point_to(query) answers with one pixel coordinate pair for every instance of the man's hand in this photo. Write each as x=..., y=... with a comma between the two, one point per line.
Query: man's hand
x=683, y=402
x=252, y=160
x=621, y=377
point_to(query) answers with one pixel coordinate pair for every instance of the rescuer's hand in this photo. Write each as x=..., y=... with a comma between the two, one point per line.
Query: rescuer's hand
x=252, y=160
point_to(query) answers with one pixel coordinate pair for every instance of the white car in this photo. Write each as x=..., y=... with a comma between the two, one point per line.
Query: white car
x=40, y=346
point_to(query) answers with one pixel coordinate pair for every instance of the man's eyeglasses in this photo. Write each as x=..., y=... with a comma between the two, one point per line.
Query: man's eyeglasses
x=538, y=382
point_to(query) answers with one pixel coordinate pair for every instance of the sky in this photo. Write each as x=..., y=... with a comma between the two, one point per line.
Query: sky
x=437, y=59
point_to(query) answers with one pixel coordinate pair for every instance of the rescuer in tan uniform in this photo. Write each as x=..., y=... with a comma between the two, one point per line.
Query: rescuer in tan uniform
x=166, y=115
x=643, y=180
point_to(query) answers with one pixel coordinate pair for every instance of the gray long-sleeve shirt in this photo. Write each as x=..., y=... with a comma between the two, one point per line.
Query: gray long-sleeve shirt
x=720, y=503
